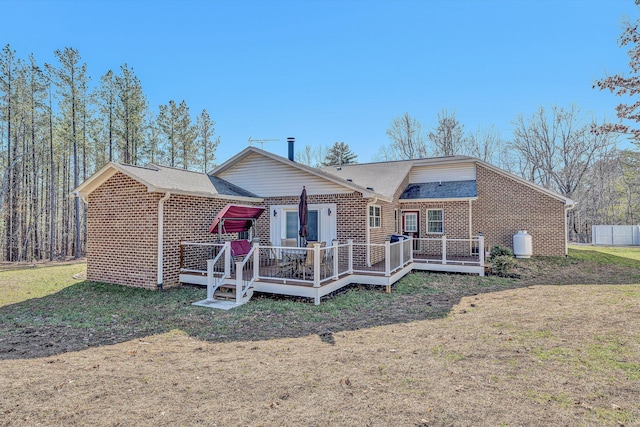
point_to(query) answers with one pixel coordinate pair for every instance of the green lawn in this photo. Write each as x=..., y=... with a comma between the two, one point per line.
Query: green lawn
x=23, y=283
x=627, y=255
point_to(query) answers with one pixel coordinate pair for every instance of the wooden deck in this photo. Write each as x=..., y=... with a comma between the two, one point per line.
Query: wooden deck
x=265, y=271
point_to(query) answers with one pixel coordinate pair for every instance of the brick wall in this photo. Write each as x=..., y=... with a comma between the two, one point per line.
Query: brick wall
x=122, y=233
x=351, y=220
x=505, y=206
x=187, y=218
x=122, y=222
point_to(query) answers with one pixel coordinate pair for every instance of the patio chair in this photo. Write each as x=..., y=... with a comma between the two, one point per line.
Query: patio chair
x=307, y=266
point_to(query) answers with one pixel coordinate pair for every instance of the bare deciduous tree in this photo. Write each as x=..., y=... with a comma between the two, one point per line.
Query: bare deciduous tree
x=406, y=134
x=448, y=136
x=557, y=151
x=311, y=156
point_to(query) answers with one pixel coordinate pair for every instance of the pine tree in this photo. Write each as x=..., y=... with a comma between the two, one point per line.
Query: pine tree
x=340, y=154
x=71, y=79
x=185, y=135
x=167, y=123
x=207, y=144
x=131, y=110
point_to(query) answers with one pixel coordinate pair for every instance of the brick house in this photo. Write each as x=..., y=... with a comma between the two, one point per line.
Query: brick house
x=138, y=216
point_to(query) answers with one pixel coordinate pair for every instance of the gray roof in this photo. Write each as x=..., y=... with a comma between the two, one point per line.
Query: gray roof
x=228, y=189
x=444, y=190
x=385, y=177
x=382, y=178
x=167, y=179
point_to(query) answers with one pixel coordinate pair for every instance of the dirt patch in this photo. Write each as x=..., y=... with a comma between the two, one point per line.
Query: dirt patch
x=541, y=355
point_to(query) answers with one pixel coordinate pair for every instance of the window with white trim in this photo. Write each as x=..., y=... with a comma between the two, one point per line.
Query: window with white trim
x=396, y=221
x=411, y=222
x=435, y=221
x=375, y=215
x=292, y=224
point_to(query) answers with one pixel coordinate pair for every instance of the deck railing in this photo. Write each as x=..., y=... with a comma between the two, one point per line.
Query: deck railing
x=318, y=264
x=443, y=250
x=194, y=256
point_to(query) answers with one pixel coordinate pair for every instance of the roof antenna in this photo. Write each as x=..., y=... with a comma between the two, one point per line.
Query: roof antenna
x=261, y=142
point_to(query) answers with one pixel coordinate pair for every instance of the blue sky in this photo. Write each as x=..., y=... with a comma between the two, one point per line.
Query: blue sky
x=327, y=71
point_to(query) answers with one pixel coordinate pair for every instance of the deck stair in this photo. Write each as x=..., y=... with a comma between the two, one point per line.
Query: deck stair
x=227, y=292
x=222, y=286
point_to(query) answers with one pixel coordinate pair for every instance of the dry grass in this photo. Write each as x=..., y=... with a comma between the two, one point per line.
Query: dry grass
x=543, y=355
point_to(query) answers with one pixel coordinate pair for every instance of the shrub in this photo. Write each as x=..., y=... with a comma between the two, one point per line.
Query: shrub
x=502, y=264
x=499, y=250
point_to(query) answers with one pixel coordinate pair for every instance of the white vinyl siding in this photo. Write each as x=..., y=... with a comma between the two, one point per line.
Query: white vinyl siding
x=443, y=173
x=266, y=177
x=435, y=221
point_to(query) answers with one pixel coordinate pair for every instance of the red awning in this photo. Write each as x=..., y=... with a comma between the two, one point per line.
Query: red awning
x=236, y=218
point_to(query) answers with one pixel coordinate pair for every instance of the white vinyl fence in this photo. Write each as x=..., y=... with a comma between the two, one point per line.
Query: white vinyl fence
x=616, y=235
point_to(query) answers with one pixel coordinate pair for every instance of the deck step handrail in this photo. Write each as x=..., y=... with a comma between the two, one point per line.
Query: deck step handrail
x=213, y=285
x=243, y=285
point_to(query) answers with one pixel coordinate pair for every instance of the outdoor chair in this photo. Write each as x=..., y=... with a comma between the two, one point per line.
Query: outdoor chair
x=307, y=266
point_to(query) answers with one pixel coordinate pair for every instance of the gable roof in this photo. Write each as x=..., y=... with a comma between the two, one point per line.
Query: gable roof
x=249, y=151
x=163, y=179
x=387, y=177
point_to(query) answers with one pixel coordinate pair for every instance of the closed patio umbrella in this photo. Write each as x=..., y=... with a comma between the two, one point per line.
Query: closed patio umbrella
x=303, y=215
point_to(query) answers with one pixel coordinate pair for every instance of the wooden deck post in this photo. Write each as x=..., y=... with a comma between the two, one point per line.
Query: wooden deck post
x=481, y=252
x=239, y=282
x=387, y=257
x=256, y=260
x=409, y=241
x=444, y=249
x=334, y=252
x=210, y=279
x=350, y=261
x=316, y=265
x=227, y=259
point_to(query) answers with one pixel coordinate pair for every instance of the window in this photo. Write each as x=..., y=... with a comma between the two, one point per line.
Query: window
x=374, y=216
x=435, y=221
x=292, y=225
x=396, y=221
x=411, y=222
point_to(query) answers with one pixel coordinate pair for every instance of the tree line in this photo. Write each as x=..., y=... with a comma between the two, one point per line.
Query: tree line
x=558, y=148
x=57, y=129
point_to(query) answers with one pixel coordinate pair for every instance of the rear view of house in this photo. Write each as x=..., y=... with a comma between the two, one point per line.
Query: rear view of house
x=141, y=220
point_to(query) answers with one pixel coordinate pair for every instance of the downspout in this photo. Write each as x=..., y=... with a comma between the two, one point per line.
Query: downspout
x=567, y=208
x=161, y=237
x=470, y=220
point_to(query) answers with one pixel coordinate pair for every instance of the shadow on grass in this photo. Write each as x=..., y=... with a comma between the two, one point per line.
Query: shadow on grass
x=91, y=314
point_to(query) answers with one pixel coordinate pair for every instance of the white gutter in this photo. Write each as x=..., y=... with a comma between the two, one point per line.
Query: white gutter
x=161, y=236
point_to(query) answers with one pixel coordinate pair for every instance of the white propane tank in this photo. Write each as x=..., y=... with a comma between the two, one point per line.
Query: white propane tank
x=522, y=245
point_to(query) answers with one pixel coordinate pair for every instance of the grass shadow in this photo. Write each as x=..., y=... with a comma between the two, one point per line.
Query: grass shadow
x=89, y=314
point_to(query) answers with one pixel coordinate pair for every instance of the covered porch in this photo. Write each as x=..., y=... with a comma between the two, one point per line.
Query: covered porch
x=317, y=270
